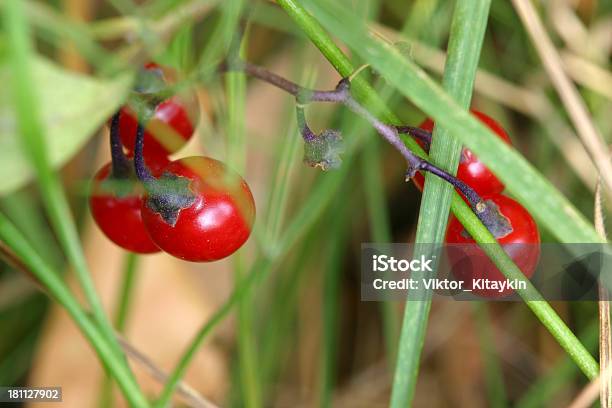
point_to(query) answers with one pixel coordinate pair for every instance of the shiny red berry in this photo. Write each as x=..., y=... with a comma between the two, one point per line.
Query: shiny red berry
x=516, y=232
x=471, y=170
x=198, y=210
x=170, y=128
x=115, y=206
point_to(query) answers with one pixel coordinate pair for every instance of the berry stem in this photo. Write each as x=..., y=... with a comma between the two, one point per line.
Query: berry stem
x=423, y=135
x=341, y=94
x=472, y=196
x=120, y=165
x=142, y=171
x=307, y=134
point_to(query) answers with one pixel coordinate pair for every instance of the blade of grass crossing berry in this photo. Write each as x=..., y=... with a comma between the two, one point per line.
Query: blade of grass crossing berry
x=546, y=202
x=380, y=230
x=493, y=375
x=467, y=32
x=29, y=122
x=53, y=284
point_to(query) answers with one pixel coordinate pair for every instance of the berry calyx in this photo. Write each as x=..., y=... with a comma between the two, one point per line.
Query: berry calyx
x=198, y=210
x=471, y=170
x=516, y=232
x=172, y=121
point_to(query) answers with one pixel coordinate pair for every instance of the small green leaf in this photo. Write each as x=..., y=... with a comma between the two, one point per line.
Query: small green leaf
x=324, y=150
x=72, y=106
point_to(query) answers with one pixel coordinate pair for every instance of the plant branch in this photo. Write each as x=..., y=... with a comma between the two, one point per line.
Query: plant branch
x=142, y=171
x=120, y=163
x=342, y=95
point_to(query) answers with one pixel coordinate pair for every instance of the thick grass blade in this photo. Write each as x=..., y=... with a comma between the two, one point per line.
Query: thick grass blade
x=467, y=32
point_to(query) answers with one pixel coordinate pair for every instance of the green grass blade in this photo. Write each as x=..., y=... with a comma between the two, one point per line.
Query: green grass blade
x=373, y=186
x=31, y=129
x=248, y=361
x=467, y=32
x=127, y=290
x=331, y=298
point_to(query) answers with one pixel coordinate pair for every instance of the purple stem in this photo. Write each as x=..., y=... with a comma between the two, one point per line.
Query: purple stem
x=390, y=133
x=421, y=134
x=142, y=171
x=120, y=165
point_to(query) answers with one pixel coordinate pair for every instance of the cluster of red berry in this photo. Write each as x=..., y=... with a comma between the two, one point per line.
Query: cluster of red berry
x=194, y=208
x=520, y=240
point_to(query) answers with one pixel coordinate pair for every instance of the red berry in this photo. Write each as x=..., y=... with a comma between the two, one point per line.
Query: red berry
x=202, y=212
x=118, y=215
x=170, y=128
x=471, y=170
x=521, y=241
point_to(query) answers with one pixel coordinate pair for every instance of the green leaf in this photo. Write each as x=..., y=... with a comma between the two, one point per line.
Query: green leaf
x=73, y=107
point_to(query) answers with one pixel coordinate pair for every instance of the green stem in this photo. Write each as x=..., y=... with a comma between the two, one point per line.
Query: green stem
x=31, y=129
x=51, y=281
x=127, y=290
x=248, y=359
